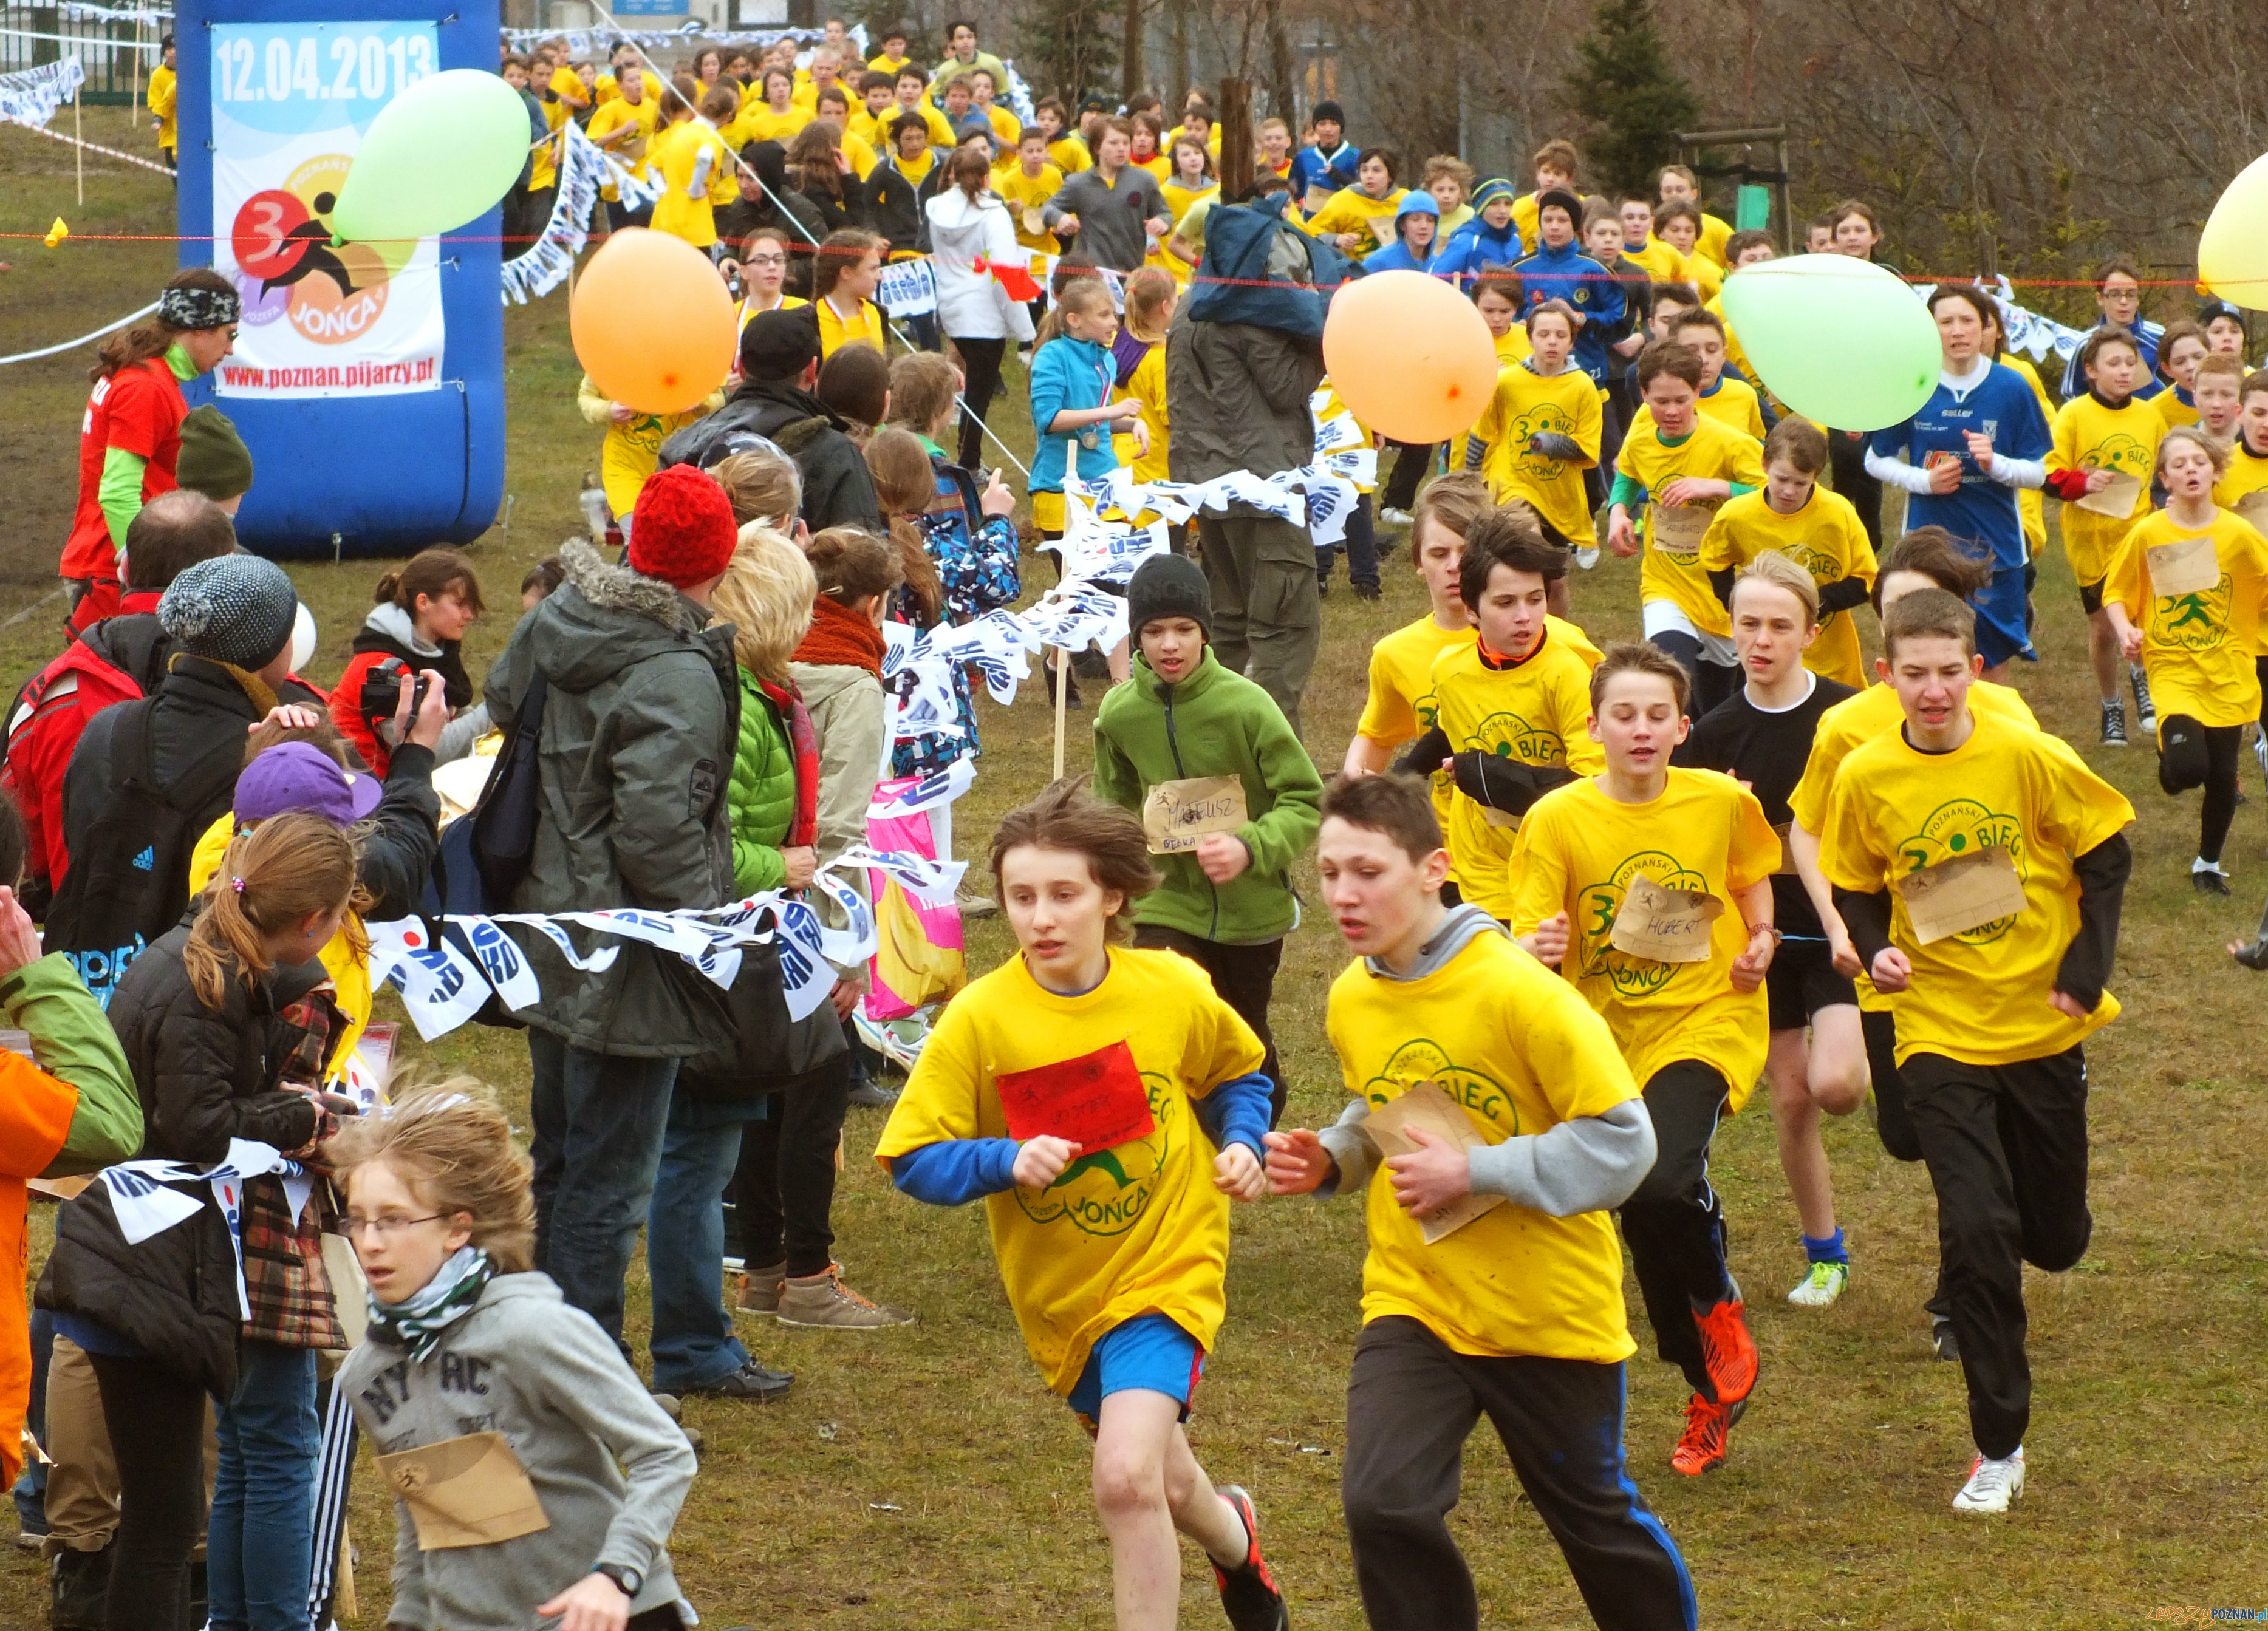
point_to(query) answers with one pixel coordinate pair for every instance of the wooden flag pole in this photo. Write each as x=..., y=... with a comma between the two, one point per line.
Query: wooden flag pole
x=1063, y=696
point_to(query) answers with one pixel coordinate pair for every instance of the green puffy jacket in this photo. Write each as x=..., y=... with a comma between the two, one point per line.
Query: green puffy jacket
x=764, y=790
x=1213, y=724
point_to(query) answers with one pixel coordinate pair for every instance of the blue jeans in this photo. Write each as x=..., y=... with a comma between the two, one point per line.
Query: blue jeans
x=260, y=1546
x=31, y=1491
x=598, y=1121
x=693, y=1340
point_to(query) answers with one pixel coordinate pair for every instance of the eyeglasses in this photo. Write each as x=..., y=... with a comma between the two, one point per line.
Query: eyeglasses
x=767, y=260
x=384, y=1228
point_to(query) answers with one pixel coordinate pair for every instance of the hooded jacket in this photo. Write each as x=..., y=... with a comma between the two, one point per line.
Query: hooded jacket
x=1214, y=723
x=895, y=200
x=390, y=631
x=640, y=722
x=608, y=1467
x=1240, y=396
x=971, y=302
x=1474, y=248
x=838, y=490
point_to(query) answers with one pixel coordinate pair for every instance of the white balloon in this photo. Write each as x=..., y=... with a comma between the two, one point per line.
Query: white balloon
x=303, y=637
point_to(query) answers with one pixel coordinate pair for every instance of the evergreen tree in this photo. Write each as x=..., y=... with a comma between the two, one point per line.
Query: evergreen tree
x=1068, y=48
x=1633, y=96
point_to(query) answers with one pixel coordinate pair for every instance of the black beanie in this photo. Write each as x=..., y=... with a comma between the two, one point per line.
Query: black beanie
x=1330, y=111
x=1168, y=585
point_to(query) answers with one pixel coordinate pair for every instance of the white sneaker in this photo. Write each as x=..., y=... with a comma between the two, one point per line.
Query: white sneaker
x=2260, y=753
x=1821, y=1285
x=1587, y=555
x=1394, y=517
x=1991, y=1484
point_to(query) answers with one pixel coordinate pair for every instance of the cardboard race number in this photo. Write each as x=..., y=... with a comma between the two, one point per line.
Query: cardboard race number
x=1664, y=925
x=2188, y=566
x=1176, y=814
x=468, y=1491
x=2116, y=500
x=1678, y=529
x=1966, y=893
x=1426, y=1105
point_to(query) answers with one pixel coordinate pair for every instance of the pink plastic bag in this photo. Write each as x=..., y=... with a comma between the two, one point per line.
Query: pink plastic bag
x=919, y=961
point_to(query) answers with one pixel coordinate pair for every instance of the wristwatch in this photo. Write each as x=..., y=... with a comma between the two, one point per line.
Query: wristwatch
x=628, y=1579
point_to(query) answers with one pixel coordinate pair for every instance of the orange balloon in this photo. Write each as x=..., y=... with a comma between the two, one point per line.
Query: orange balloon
x=651, y=322
x=1410, y=357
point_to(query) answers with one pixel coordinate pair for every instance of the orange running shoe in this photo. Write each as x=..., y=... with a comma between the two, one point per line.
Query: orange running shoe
x=1701, y=1444
x=1727, y=1349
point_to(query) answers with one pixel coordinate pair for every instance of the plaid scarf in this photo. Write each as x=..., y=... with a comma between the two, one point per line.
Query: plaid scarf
x=448, y=1297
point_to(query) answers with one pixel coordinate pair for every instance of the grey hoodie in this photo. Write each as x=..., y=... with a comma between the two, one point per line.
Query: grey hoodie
x=1588, y=1164
x=525, y=1365
x=640, y=725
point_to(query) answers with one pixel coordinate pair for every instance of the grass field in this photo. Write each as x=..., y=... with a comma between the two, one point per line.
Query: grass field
x=925, y=1478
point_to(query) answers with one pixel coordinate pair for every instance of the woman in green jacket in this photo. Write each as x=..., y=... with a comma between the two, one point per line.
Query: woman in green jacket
x=766, y=595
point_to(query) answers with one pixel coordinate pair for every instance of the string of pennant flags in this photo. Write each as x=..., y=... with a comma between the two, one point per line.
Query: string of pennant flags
x=31, y=96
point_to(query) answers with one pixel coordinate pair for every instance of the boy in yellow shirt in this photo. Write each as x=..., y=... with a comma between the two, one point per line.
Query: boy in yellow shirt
x=1554, y=168
x=1680, y=225
x=165, y=95
x=1360, y=218
x=2098, y=437
x=1077, y=1089
x=1028, y=186
x=870, y=124
x=1793, y=514
x=1678, y=973
x=1508, y=707
x=1676, y=185
x=2184, y=596
x=1540, y=431
x=1676, y=458
x=698, y=171
x=1517, y=1315
x=1662, y=263
x=894, y=55
x=1995, y=990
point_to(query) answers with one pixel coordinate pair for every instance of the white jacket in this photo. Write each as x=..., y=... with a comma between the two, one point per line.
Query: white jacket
x=971, y=304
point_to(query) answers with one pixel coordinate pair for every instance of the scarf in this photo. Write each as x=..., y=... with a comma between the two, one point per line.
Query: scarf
x=803, y=742
x=840, y=638
x=448, y=1297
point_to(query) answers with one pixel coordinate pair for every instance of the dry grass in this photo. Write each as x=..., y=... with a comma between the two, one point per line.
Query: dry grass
x=925, y=1478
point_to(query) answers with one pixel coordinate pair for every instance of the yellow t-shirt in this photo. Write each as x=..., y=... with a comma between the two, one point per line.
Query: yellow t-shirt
x=2198, y=648
x=887, y=65
x=1069, y=155
x=1850, y=724
x=1131, y=1230
x=916, y=170
x=1533, y=711
x=2031, y=503
x=1711, y=244
x=1706, y=276
x=1521, y=1052
x=1146, y=385
x=1156, y=164
x=1662, y=263
x=1732, y=403
x=750, y=309
x=758, y=123
x=1512, y=347
x=1400, y=706
x=868, y=129
x=613, y=115
x=1979, y=996
x=1350, y=210
x=691, y=215
x=865, y=324
x=1179, y=199
x=1005, y=129
x=1524, y=221
x=2172, y=409
x=863, y=158
x=1578, y=850
x=608, y=87
x=1711, y=452
x=2090, y=437
x=567, y=88
x=349, y=973
x=1826, y=539
x=2245, y=476
x=940, y=133
x=1527, y=404
x=1022, y=191
x=165, y=95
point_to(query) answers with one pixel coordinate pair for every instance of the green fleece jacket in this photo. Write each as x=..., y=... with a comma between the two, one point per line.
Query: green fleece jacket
x=763, y=791
x=1213, y=724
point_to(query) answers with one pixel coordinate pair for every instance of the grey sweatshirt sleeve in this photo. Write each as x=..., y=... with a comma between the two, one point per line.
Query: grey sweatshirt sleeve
x=1353, y=1149
x=459, y=735
x=586, y=1381
x=1588, y=1164
x=411, y=1603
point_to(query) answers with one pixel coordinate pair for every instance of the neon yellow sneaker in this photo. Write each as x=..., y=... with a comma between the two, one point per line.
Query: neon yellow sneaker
x=1822, y=1285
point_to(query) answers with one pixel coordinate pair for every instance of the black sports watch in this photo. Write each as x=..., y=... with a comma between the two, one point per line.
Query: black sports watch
x=628, y=1579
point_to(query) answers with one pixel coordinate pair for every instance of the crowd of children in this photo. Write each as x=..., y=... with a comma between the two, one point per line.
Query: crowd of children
x=1591, y=898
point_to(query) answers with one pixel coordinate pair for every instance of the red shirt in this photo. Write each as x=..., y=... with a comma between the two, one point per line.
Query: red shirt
x=140, y=410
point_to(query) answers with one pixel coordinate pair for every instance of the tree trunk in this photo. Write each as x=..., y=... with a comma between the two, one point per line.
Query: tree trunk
x=1129, y=50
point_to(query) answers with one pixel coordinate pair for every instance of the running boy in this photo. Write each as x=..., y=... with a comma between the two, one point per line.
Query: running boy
x=1225, y=902
x=2107, y=434
x=1693, y=1027
x=1541, y=429
x=1762, y=735
x=1818, y=530
x=1993, y=1006
x=1518, y=1314
x=1112, y=1244
x=2185, y=595
x=1677, y=459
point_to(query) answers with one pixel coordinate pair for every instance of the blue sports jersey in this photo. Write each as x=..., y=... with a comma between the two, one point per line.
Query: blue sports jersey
x=1569, y=275
x=1312, y=168
x=1981, y=510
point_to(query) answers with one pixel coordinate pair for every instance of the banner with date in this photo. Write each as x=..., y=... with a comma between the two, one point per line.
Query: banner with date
x=291, y=102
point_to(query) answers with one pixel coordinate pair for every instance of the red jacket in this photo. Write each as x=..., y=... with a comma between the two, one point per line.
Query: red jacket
x=111, y=662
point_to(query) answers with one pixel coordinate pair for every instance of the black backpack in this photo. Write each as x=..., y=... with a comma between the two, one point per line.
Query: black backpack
x=129, y=881
x=485, y=855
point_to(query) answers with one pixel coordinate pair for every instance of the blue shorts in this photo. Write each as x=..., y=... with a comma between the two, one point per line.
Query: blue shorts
x=2002, y=635
x=1149, y=1353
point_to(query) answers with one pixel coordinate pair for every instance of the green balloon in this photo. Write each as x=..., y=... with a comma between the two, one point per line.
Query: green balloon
x=438, y=156
x=1839, y=340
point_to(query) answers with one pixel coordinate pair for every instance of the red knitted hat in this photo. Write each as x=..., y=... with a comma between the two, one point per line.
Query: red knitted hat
x=682, y=530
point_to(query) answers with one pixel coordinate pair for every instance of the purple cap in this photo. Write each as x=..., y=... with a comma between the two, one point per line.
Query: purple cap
x=299, y=775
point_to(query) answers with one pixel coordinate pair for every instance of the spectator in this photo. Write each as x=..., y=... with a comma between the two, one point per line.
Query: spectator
x=114, y=661
x=420, y=618
x=973, y=234
x=1238, y=399
x=779, y=366
x=855, y=382
x=213, y=459
x=149, y=776
x=637, y=723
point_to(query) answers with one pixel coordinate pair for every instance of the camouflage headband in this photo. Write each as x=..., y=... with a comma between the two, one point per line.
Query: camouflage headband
x=199, y=308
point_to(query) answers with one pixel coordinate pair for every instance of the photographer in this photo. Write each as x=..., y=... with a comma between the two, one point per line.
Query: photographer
x=421, y=614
